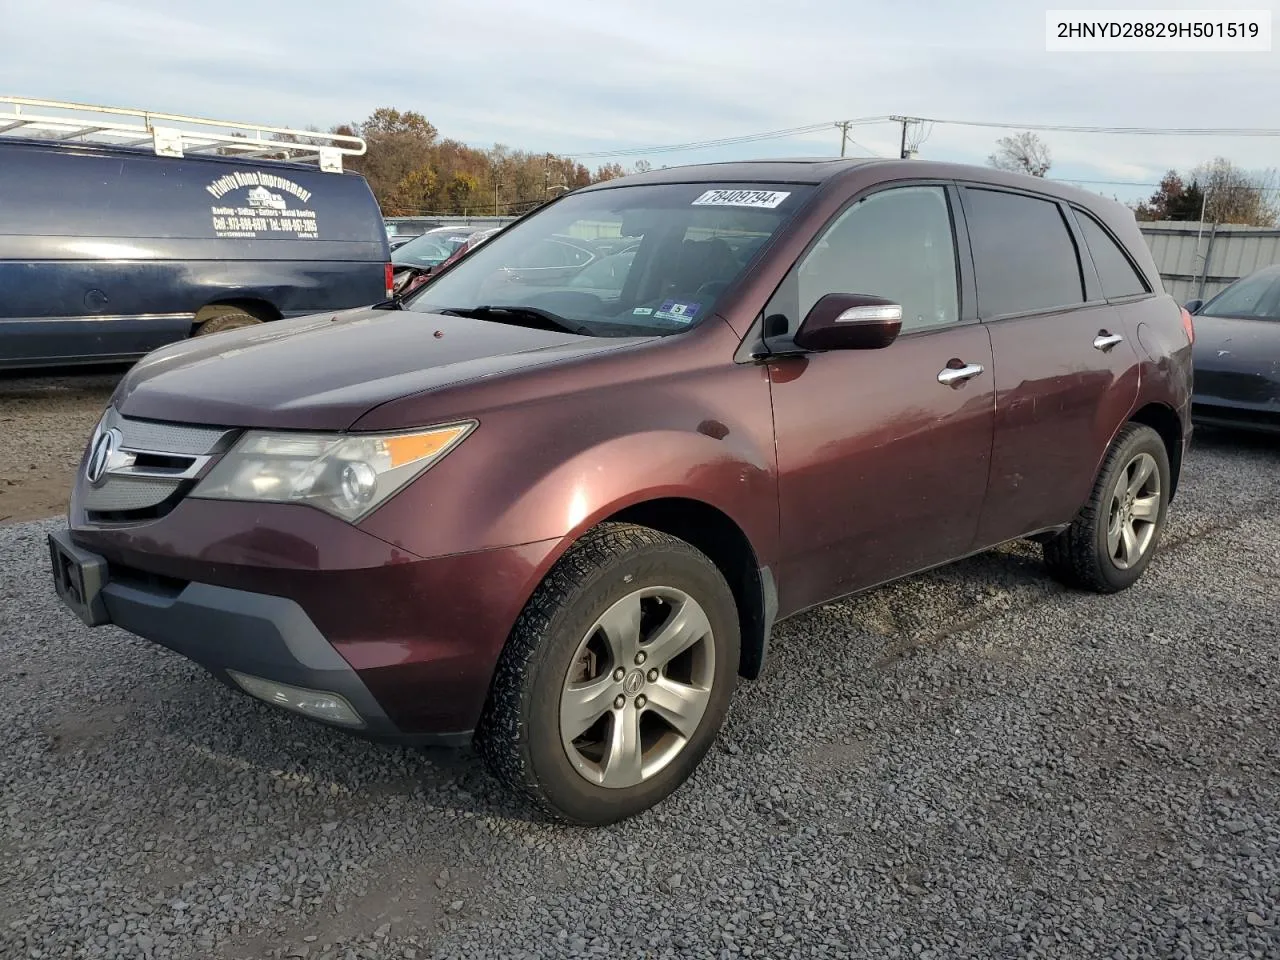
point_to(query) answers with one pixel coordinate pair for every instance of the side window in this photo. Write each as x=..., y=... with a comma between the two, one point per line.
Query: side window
x=1118, y=275
x=1024, y=257
x=897, y=244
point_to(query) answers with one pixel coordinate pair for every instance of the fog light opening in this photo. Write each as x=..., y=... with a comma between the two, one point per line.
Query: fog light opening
x=317, y=704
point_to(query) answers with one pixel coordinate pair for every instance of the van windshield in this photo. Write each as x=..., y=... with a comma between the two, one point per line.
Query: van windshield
x=623, y=261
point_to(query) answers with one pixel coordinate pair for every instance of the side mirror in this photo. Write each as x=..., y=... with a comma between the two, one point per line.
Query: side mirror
x=1193, y=306
x=844, y=321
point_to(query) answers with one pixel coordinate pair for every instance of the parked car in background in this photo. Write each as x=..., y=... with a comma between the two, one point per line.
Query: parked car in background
x=425, y=256
x=415, y=278
x=1237, y=355
x=561, y=524
x=109, y=251
x=395, y=242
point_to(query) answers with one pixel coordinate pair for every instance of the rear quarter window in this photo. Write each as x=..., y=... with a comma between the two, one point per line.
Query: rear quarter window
x=1023, y=253
x=1118, y=276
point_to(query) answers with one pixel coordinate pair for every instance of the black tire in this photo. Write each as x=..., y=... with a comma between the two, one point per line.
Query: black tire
x=1080, y=556
x=519, y=734
x=226, y=321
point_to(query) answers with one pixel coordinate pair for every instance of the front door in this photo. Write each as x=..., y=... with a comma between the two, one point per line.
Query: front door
x=882, y=454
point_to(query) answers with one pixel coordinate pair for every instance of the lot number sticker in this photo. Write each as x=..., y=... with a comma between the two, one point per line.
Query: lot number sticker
x=678, y=312
x=764, y=199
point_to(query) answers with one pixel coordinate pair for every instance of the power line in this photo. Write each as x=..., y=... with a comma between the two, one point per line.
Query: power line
x=1133, y=131
x=1144, y=183
x=721, y=142
x=844, y=125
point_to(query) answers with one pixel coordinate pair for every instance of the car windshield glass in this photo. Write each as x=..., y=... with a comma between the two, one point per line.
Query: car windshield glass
x=430, y=249
x=622, y=261
x=1256, y=297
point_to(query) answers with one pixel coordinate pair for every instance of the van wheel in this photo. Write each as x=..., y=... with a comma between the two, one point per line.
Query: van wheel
x=1111, y=541
x=616, y=677
x=225, y=321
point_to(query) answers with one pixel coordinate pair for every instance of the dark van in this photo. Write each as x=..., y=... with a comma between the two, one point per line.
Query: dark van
x=108, y=252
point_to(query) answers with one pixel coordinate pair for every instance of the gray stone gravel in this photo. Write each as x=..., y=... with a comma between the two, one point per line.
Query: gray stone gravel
x=973, y=763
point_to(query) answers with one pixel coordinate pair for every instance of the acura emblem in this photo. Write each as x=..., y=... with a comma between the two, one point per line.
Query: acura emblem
x=104, y=449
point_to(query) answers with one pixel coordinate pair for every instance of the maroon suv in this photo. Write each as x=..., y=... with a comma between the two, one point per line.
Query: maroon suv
x=562, y=520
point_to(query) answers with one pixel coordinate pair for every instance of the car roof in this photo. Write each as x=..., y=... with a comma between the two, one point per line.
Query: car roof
x=819, y=170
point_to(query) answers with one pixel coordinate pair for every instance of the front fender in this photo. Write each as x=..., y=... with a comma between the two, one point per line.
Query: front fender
x=509, y=491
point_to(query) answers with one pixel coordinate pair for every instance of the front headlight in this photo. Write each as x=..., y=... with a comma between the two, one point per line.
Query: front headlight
x=346, y=474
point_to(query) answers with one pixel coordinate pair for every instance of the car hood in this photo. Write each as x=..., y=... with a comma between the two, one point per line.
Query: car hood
x=1230, y=342
x=325, y=372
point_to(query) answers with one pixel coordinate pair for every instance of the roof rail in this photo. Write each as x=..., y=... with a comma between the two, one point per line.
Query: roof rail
x=172, y=135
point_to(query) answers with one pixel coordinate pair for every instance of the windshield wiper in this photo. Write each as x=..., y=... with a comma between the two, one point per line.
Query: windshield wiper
x=543, y=319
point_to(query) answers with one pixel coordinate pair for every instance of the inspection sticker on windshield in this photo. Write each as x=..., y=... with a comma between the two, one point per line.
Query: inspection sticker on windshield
x=642, y=311
x=765, y=199
x=678, y=312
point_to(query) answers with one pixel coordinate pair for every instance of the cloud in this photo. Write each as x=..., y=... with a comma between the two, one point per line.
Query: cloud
x=568, y=75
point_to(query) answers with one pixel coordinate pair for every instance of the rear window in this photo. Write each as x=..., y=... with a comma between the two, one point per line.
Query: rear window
x=1024, y=256
x=1117, y=274
x=1253, y=298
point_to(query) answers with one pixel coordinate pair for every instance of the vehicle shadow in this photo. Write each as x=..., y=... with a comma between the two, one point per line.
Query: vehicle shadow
x=220, y=731
x=323, y=767
x=1229, y=439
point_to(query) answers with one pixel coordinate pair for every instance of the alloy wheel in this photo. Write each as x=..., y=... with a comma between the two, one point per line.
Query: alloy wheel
x=1134, y=511
x=637, y=687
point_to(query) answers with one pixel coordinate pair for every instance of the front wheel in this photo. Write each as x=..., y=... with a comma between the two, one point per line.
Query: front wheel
x=616, y=677
x=1111, y=541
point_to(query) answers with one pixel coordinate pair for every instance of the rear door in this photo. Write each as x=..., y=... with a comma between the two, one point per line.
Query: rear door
x=1066, y=371
x=882, y=465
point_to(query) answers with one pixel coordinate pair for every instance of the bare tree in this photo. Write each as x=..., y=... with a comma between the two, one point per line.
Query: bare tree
x=1238, y=196
x=1022, y=153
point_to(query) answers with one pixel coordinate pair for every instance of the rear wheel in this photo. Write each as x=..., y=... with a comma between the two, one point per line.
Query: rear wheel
x=1112, y=539
x=616, y=677
x=226, y=321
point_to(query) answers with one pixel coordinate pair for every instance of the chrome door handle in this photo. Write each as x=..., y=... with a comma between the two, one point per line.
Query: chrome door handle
x=1105, y=341
x=950, y=376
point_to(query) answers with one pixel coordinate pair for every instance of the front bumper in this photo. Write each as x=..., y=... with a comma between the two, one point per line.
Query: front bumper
x=225, y=631
x=287, y=594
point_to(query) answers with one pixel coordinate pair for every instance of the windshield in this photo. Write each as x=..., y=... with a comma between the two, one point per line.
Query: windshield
x=430, y=249
x=1256, y=297
x=623, y=261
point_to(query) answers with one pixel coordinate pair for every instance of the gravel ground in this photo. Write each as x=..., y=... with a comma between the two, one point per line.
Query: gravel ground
x=45, y=422
x=973, y=763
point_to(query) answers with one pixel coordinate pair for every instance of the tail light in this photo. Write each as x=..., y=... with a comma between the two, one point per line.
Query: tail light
x=390, y=276
x=1188, y=325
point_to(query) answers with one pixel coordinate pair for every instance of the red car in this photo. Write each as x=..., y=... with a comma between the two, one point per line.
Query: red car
x=562, y=524
x=423, y=257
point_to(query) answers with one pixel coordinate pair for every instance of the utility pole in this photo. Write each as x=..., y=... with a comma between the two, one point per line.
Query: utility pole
x=844, y=134
x=902, y=150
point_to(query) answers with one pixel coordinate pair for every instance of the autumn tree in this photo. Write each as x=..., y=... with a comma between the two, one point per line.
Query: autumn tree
x=1233, y=195
x=609, y=171
x=397, y=163
x=1022, y=153
x=1174, y=199
x=411, y=170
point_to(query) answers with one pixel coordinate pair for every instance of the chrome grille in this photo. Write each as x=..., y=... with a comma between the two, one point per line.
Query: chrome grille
x=152, y=462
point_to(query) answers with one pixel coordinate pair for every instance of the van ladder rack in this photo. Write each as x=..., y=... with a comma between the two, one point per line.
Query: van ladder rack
x=171, y=135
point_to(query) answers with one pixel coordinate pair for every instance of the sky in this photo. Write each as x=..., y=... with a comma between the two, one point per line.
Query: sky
x=575, y=77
